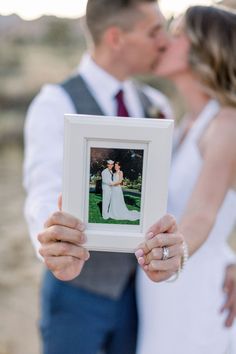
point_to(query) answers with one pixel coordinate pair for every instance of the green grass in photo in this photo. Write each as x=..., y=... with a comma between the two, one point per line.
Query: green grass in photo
x=95, y=208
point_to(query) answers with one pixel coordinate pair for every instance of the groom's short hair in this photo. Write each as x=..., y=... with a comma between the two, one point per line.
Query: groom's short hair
x=101, y=14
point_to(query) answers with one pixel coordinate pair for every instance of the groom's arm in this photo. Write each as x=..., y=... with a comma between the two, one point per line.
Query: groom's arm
x=120, y=180
x=106, y=178
x=229, y=287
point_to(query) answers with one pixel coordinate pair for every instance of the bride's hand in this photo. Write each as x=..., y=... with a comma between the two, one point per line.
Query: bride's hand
x=162, y=236
x=113, y=184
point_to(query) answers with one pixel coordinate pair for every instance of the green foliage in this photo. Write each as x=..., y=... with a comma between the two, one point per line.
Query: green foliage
x=59, y=32
x=131, y=161
x=95, y=178
x=10, y=60
x=133, y=184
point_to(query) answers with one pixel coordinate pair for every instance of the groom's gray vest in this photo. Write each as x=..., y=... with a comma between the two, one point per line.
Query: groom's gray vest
x=105, y=273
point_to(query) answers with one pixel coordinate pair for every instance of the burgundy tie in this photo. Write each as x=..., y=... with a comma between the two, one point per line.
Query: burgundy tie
x=121, y=108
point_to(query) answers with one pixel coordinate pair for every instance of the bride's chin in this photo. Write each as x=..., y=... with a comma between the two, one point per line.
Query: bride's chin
x=160, y=70
x=160, y=73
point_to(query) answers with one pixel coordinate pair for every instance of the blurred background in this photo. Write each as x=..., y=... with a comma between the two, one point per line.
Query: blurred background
x=39, y=43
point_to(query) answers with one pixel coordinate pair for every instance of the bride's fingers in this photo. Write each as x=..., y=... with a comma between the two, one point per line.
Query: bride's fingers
x=170, y=265
x=159, y=241
x=166, y=224
x=157, y=253
x=165, y=240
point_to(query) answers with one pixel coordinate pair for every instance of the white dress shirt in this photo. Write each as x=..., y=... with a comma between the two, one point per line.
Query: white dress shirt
x=44, y=136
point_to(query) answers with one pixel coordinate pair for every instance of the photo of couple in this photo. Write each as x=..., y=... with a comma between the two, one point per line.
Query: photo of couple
x=113, y=203
x=115, y=186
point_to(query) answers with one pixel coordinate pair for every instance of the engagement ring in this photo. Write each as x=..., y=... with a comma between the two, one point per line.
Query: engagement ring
x=165, y=253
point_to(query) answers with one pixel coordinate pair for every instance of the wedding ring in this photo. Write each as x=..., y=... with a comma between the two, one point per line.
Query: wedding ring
x=165, y=253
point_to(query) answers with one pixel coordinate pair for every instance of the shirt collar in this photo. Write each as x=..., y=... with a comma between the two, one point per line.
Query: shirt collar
x=96, y=77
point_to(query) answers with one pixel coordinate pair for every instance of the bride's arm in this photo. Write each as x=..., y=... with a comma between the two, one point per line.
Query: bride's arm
x=216, y=177
x=120, y=177
x=119, y=181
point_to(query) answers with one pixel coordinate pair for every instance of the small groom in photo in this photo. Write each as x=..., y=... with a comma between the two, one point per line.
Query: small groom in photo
x=107, y=178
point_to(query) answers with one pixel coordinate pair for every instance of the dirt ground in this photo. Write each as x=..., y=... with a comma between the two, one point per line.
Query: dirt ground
x=20, y=271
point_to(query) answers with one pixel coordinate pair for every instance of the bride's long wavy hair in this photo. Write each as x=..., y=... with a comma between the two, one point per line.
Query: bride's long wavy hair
x=212, y=34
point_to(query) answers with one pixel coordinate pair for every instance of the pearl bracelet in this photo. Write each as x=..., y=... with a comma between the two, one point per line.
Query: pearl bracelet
x=185, y=256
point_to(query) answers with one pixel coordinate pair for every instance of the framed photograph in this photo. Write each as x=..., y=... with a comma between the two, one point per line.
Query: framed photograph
x=115, y=177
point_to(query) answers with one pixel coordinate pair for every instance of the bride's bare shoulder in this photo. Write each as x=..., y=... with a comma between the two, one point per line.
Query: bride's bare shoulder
x=221, y=134
x=224, y=126
x=227, y=113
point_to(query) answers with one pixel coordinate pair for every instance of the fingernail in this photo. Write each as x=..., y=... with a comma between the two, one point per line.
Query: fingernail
x=141, y=261
x=81, y=227
x=139, y=253
x=149, y=235
x=83, y=238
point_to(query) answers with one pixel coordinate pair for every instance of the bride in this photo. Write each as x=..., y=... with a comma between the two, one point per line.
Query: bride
x=118, y=209
x=183, y=317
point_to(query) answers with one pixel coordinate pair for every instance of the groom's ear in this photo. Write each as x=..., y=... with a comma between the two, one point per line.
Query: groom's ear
x=114, y=37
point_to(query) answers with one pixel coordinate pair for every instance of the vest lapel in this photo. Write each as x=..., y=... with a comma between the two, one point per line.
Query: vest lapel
x=81, y=97
x=85, y=103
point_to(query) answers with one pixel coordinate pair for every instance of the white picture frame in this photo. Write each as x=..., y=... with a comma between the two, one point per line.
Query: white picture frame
x=84, y=134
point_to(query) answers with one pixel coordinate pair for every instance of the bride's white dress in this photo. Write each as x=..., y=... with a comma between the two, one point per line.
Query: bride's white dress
x=183, y=317
x=118, y=209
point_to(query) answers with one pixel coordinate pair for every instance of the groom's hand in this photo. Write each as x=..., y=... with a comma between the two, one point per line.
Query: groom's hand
x=229, y=288
x=149, y=254
x=61, y=245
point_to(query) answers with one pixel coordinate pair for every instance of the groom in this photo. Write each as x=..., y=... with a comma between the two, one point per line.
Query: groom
x=107, y=178
x=96, y=309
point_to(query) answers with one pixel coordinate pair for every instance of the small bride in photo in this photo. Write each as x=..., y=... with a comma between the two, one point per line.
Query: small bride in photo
x=118, y=209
